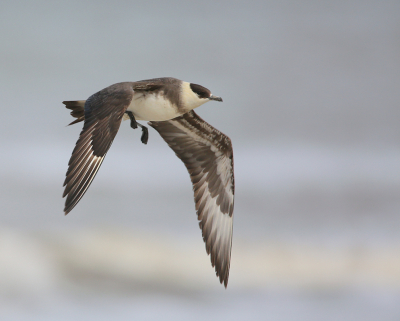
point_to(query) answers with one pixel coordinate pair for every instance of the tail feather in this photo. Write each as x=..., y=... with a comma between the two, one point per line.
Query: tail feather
x=77, y=110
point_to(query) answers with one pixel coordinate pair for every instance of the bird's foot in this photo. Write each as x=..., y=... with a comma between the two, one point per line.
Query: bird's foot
x=135, y=124
x=145, y=134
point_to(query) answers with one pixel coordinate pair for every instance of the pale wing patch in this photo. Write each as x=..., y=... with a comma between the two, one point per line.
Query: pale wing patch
x=207, y=154
x=217, y=232
x=83, y=167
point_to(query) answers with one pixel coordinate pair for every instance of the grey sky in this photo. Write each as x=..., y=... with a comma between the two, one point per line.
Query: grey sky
x=319, y=72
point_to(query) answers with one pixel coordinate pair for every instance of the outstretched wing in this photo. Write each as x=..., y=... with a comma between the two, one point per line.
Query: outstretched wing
x=208, y=157
x=103, y=114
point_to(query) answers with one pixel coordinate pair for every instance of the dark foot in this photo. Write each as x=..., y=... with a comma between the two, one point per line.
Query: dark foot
x=134, y=124
x=145, y=134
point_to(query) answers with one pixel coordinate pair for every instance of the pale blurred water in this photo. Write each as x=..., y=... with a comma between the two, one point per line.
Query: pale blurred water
x=311, y=103
x=309, y=243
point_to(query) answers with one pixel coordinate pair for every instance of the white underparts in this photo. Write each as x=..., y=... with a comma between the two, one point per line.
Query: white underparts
x=155, y=107
x=151, y=106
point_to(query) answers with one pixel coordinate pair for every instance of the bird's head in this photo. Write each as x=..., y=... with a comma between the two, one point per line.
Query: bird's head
x=194, y=95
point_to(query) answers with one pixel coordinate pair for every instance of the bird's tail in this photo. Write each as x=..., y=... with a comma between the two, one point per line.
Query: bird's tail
x=77, y=110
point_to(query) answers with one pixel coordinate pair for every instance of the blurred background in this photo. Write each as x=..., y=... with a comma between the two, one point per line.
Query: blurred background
x=311, y=103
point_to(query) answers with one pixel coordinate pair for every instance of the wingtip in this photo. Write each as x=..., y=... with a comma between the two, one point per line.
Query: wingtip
x=76, y=121
x=223, y=279
x=225, y=282
x=67, y=210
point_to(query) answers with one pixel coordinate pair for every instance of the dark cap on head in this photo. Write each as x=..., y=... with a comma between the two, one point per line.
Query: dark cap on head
x=203, y=92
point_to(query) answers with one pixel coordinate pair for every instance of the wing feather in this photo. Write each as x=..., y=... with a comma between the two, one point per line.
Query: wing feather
x=208, y=157
x=103, y=113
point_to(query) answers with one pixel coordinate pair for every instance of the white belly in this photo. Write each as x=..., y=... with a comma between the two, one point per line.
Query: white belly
x=151, y=107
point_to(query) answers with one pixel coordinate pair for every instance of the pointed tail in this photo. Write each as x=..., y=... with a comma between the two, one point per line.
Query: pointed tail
x=77, y=110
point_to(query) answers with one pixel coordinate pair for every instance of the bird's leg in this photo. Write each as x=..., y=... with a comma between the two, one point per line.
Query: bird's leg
x=132, y=118
x=145, y=133
x=135, y=124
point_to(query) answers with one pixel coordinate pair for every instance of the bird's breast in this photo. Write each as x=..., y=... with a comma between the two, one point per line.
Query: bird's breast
x=152, y=107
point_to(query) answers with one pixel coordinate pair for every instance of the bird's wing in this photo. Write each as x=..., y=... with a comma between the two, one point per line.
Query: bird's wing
x=208, y=157
x=103, y=113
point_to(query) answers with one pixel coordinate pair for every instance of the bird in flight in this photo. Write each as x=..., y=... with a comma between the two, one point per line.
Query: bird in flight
x=167, y=104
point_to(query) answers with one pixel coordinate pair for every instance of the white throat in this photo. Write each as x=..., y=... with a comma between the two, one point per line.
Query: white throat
x=189, y=99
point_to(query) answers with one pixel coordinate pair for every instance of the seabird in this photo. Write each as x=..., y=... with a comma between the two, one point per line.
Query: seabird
x=167, y=103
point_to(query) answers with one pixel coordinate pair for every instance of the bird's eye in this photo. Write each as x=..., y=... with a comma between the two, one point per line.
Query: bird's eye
x=201, y=91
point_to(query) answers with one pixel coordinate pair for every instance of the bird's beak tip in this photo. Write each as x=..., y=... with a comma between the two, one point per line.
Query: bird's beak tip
x=212, y=97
